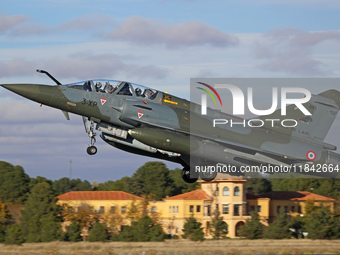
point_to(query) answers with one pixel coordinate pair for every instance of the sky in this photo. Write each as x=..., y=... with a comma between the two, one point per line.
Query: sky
x=158, y=43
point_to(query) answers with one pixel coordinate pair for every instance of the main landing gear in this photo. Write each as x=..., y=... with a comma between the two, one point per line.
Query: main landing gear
x=205, y=176
x=186, y=175
x=91, y=150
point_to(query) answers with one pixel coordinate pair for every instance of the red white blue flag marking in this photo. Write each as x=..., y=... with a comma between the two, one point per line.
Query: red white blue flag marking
x=311, y=155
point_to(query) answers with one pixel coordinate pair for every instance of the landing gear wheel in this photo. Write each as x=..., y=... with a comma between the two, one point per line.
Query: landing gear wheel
x=186, y=176
x=91, y=150
x=208, y=176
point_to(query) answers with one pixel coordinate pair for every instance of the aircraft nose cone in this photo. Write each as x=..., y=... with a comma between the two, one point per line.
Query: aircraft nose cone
x=35, y=92
x=26, y=90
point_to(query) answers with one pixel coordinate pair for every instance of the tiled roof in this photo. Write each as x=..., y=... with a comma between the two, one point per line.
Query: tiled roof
x=252, y=196
x=198, y=194
x=295, y=195
x=98, y=195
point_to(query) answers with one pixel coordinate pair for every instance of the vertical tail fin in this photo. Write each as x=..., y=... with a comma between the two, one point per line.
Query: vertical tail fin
x=324, y=108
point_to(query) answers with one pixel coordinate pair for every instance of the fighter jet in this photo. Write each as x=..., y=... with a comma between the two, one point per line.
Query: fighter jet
x=144, y=121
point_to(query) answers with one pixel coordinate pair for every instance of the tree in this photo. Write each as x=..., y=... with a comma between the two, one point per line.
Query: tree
x=279, y=229
x=258, y=186
x=84, y=216
x=119, y=185
x=252, y=229
x=310, y=206
x=39, y=220
x=192, y=230
x=2, y=232
x=320, y=224
x=98, y=233
x=14, y=235
x=336, y=227
x=143, y=230
x=218, y=227
x=5, y=215
x=14, y=183
x=73, y=232
x=64, y=185
x=180, y=186
x=151, y=178
x=297, y=224
x=135, y=211
x=113, y=221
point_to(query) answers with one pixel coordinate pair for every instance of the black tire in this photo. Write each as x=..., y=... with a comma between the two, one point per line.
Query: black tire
x=208, y=176
x=91, y=150
x=186, y=176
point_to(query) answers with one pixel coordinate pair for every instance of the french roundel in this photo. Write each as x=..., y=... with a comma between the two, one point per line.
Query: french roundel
x=311, y=155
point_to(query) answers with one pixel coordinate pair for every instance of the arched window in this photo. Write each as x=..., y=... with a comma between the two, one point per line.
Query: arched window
x=225, y=191
x=217, y=192
x=236, y=191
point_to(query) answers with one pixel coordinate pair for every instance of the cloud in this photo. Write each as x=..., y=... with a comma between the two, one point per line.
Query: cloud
x=149, y=32
x=291, y=50
x=15, y=67
x=18, y=26
x=9, y=22
x=87, y=22
x=82, y=65
x=88, y=65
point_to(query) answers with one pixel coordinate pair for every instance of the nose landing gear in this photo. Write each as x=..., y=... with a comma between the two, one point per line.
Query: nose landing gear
x=91, y=150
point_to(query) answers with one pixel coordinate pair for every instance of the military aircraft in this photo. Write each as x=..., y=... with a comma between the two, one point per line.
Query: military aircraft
x=152, y=123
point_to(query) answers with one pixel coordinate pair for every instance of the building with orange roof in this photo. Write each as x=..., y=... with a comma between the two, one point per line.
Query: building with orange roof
x=226, y=195
x=290, y=202
x=98, y=195
x=175, y=210
x=114, y=208
x=99, y=201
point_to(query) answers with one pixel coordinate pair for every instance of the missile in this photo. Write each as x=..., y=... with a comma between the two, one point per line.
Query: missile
x=164, y=140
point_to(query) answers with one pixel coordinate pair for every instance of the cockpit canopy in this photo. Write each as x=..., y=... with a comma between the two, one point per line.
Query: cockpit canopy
x=115, y=87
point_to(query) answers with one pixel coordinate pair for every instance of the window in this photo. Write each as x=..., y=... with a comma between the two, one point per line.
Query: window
x=102, y=209
x=225, y=191
x=225, y=209
x=293, y=208
x=101, y=86
x=198, y=208
x=299, y=209
x=125, y=89
x=252, y=208
x=170, y=209
x=123, y=209
x=236, y=210
x=278, y=209
x=236, y=191
x=217, y=192
x=191, y=208
x=286, y=209
x=91, y=209
x=208, y=210
x=258, y=208
x=113, y=209
x=174, y=209
x=177, y=209
x=70, y=209
x=153, y=209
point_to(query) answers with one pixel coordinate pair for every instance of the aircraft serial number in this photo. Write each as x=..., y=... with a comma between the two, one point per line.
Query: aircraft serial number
x=89, y=102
